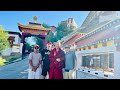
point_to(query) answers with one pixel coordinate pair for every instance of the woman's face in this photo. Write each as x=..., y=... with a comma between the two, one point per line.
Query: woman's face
x=49, y=47
x=52, y=46
x=57, y=45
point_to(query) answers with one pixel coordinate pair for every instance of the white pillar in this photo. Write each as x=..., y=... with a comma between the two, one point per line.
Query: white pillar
x=79, y=59
x=21, y=46
x=117, y=65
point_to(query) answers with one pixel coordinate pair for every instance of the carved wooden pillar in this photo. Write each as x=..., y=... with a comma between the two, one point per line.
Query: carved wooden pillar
x=45, y=41
x=23, y=42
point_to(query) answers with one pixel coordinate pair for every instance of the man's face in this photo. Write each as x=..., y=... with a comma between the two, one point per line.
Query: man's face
x=67, y=49
x=36, y=49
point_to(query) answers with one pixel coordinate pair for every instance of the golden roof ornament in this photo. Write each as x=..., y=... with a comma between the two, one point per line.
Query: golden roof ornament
x=35, y=19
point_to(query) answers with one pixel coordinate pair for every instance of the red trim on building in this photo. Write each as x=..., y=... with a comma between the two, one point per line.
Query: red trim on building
x=98, y=37
x=73, y=39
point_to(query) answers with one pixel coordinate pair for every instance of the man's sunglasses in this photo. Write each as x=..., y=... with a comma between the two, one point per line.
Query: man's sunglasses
x=36, y=47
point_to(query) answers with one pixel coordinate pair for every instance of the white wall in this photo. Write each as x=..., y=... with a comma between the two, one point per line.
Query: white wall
x=117, y=65
x=79, y=60
x=16, y=49
x=21, y=46
x=17, y=38
x=106, y=18
x=79, y=55
x=7, y=52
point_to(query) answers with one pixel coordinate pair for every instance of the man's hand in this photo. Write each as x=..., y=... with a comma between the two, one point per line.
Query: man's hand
x=34, y=68
x=41, y=66
x=58, y=59
x=48, y=53
x=74, y=68
x=63, y=70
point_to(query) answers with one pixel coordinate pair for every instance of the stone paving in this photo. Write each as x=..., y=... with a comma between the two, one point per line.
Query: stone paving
x=83, y=75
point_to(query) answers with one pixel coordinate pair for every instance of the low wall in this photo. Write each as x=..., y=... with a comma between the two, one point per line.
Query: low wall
x=7, y=52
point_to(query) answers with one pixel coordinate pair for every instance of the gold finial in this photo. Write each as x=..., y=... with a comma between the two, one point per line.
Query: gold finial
x=35, y=19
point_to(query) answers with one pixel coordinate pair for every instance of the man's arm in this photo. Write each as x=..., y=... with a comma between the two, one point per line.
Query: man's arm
x=75, y=64
x=31, y=64
x=30, y=59
x=40, y=61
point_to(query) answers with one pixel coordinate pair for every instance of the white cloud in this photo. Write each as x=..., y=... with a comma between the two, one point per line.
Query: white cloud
x=30, y=40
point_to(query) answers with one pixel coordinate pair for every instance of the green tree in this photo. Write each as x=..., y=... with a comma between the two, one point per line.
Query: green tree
x=46, y=25
x=28, y=47
x=39, y=41
x=4, y=44
x=63, y=30
x=50, y=37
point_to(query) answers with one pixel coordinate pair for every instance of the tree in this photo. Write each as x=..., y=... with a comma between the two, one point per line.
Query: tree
x=4, y=44
x=50, y=37
x=39, y=41
x=28, y=47
x=46, y=25
x=63, y=30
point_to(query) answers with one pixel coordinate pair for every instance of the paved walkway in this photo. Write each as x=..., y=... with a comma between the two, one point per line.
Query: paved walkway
x=19, y=70
x=83, y=75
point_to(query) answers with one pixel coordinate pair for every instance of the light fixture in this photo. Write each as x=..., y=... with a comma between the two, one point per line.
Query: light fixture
x=103, y=40
x=106, y=40
x=116, y=44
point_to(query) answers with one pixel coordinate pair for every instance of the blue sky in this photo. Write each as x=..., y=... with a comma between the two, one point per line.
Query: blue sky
x=9, y=19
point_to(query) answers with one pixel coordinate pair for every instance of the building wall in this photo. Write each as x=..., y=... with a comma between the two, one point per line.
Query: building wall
x=107, y=17
x=109, y=49
x=117, y=65
x=16, y=49
x=17, y=38
x=7, y=52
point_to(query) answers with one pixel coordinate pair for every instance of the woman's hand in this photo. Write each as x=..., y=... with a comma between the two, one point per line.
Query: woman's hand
x=58, y=59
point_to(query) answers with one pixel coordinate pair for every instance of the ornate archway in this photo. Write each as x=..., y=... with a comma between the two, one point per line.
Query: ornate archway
x=32, y=29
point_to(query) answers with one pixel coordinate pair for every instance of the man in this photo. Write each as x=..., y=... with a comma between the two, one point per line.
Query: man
x=34, y=63
x=46, y=62
x=56, y=62
x=70, y=63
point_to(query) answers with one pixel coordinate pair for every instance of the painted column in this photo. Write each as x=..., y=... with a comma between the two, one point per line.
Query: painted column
x=21, y=45
x=79, y=60
x=22, y=50
x=45, y=41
